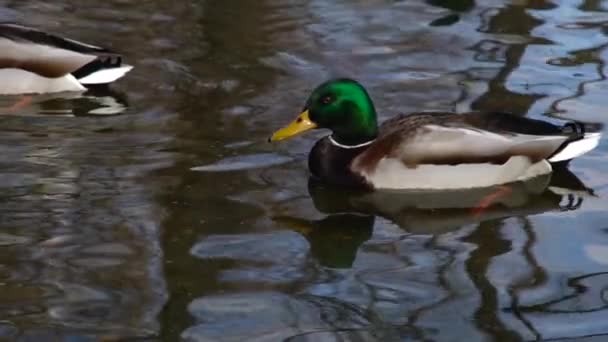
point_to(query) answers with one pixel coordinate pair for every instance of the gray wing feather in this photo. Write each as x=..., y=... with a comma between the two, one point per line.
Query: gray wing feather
x=433, y=144
x=44, y=60
x=42, y=53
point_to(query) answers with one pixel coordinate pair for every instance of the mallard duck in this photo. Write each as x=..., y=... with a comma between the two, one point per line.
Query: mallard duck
x=429, y=150
x=33, y=61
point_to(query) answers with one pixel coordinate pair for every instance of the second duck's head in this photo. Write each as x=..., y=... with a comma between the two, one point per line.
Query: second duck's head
x=340, y=105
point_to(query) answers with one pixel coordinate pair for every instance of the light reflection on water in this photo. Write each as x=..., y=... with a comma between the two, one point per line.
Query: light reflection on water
x=108, y=232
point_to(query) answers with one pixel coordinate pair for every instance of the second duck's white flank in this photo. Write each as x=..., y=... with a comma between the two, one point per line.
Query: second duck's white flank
x=17, y=81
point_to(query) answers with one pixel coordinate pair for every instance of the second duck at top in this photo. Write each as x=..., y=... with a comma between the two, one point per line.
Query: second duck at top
x=429, y=150
x=34, y=62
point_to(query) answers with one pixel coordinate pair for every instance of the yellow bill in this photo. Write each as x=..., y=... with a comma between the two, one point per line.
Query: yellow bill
x=300, y=125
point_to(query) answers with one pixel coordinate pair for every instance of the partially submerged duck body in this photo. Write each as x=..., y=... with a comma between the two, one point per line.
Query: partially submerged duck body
x=35, y=62
x=429, y=150
x=449, y=151
x=437, y=212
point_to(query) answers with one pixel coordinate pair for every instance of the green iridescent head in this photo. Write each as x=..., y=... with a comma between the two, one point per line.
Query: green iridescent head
x=342, y=106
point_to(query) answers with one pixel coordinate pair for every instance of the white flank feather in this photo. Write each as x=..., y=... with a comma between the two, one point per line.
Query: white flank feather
x=391, y=173
x=17, y=81
x=577, y=148
x=106, y=75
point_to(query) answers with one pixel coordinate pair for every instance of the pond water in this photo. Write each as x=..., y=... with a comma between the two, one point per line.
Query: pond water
x=156, y=209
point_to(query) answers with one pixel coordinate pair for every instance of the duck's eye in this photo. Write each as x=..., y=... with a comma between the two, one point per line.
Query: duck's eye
x=327, y=99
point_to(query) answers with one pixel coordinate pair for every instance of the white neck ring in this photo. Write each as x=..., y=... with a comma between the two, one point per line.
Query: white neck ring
x=335, y=143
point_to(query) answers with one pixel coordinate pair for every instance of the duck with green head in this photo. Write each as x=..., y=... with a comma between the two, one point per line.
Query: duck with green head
x=429, y=150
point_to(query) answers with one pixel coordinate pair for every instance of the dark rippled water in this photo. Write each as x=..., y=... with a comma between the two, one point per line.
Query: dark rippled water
x=157, y=210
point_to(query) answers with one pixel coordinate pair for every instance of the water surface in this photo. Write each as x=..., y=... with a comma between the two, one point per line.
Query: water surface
x=156, y=209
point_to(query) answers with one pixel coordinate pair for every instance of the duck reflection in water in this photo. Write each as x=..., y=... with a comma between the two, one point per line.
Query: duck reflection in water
x=335, y=239
x=95, y=101
x=455, y=6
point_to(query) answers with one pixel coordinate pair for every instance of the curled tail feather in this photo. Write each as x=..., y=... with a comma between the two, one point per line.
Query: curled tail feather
x=584, y=137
